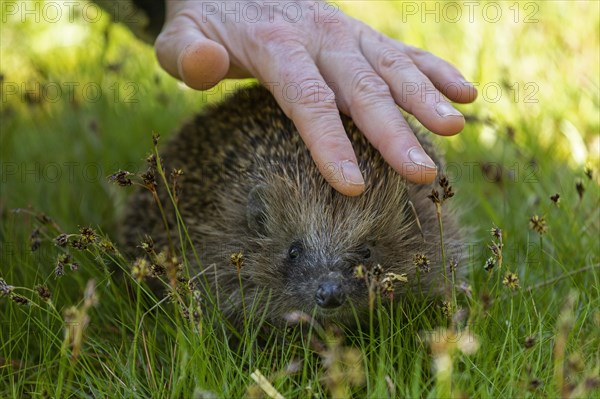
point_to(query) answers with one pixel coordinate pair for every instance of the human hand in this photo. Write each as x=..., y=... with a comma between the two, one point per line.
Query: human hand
x=317, y=61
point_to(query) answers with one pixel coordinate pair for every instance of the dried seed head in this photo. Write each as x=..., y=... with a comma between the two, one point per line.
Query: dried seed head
x=377, y=270
x=61, y=261
x=121, y=178
x=447, y=188
x=359, y=271
x=387, y=286
x=59, y=270
x=35, y=244
x=161, y=258
x=434, y=196
x=19, y=299
x=151, y=161
x=157, y=270
x=447, y=309
x=237, y=259
x=155, y=138
x=496, y=233
x=78, y=243
x=489, y=264
x=446, y=193
x=529, y=342
x=176, y=173
x=35, y=240
x=443, y=181
x=535, y=384
x=589, y=172
x=555, y=198
x=43, y=292
x=5, y=289
x=538, y=223
x=88, y=235
x=511, y=280
x=580, y=189
x=106, y=245
x=61, y=240
x=147, y=244
x=421, y=262
x=149, y=180
x=453, y=265
x=43, y=218
x=387, y=283
x=496, y=249
x=397, y=277
x=140, y=269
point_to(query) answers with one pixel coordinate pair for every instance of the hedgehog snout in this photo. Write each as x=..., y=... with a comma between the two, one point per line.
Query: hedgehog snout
x=330, y=294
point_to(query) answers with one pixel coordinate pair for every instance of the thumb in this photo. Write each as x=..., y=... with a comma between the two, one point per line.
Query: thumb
x=186, y=54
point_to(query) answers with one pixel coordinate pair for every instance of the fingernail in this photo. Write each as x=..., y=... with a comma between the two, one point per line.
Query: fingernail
x=444, y=109
x=351, y=173
x=418, y=156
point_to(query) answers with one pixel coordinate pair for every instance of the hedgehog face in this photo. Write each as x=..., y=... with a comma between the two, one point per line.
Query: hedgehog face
x=312, y=276
x=306, y=252
x=321, y=276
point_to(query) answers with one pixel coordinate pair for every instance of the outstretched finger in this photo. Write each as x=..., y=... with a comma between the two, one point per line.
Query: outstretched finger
x=316, y=116
x=412, y=89
x=443, y=75
x=365, y=96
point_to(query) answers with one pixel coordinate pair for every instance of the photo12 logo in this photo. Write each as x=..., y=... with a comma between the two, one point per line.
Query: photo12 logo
x=269, y=11
x=469, y=11
x=52, y=92
x=65, y=11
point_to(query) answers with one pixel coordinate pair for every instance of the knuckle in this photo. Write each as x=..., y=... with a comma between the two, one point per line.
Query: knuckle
x=416, y=52
x=367, y=88
x=328, y=141
x=314, y=96
x=392, y=132
x=272, y=34
x=394, y=60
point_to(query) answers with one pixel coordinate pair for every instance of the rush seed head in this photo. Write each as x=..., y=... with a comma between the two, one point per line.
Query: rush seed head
x=538, y=223
x=421, y=262
x=489, y=264
x=121, y=178
x=580, y=189
x=511, y=280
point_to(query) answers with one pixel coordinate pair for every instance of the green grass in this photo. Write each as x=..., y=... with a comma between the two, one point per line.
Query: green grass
x=522, y=146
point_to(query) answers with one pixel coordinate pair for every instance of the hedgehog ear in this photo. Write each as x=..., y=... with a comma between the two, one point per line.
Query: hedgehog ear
x=256, y=210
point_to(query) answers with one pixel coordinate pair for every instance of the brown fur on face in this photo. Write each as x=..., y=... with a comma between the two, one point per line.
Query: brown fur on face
x=250, y=186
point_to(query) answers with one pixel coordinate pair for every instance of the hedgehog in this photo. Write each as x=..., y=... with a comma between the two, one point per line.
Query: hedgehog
x=251, y=190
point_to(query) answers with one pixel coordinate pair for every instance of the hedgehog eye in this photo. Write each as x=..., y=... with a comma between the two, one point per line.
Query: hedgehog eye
x=294, y=251
x=365, y=252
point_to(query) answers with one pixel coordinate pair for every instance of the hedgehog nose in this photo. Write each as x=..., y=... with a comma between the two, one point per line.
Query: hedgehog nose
x=329, y=295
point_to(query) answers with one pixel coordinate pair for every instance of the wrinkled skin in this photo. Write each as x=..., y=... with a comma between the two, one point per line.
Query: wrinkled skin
x=332, y=63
